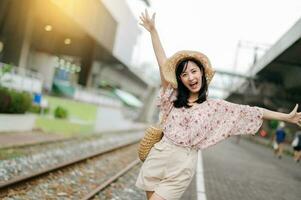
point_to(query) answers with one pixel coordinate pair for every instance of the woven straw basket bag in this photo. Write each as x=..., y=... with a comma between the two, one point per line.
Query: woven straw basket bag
x=152, y=135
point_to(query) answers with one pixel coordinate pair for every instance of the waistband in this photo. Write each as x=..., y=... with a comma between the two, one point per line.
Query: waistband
x=169, y=141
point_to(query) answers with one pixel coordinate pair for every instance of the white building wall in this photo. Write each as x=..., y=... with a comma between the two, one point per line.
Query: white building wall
x=116, y=76
x=127, y=29
x=44, y=64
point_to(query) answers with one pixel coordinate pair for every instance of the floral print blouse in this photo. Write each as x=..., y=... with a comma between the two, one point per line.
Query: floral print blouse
x=205, y=124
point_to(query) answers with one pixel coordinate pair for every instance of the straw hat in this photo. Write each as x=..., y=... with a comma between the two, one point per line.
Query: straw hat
x=169, y=67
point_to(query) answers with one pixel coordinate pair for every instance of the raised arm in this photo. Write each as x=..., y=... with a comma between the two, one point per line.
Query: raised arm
x=149, y=24
x=293, y=117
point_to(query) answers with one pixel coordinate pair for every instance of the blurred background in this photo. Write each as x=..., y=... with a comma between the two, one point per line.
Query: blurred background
x=81, y=68
x=72, y=53
x=67, y=54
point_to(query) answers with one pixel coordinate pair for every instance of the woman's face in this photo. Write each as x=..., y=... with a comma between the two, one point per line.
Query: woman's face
x=192, y=77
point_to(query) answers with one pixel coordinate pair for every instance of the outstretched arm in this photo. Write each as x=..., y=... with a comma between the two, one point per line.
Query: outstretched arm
x=293, y=117
x=149, y=24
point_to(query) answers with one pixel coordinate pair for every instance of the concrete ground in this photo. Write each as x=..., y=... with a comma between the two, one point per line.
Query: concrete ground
x=249, y=171
x=26, y=138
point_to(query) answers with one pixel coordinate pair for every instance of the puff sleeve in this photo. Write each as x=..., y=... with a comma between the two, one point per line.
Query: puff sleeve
x=226, y=119
x=165, y=98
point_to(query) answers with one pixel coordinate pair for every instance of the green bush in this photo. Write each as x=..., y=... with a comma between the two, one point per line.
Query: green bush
x=60, y=112
x=273, y=124
x=12, y=101
x=5, y=100
x=6, y=68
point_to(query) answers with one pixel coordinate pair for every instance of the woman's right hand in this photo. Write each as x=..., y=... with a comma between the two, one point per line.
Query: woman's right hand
x=147, y=22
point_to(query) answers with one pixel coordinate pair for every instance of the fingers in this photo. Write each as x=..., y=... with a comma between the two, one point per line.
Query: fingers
x=146, y=21
x=142, y=16
x=146, y=14
x=153, y=17
x=296, y=108
x=142, y=19
x=294, y=111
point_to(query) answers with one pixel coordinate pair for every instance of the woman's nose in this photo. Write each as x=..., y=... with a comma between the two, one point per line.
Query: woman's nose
x=190, y=76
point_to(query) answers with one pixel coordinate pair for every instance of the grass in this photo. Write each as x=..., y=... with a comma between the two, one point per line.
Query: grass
x=10, y=154
x=79, y=110
x=81, y=117
x=63, y=126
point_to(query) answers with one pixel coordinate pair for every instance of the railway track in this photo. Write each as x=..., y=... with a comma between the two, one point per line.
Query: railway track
x=13, y=150
x=31, y=159
x=123, y=188
x=80, y=178
x=101, y=187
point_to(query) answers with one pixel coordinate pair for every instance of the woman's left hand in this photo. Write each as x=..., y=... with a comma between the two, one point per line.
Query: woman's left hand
x=294, y=116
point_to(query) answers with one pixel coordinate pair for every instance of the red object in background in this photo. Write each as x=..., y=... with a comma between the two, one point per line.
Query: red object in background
x=263, y=133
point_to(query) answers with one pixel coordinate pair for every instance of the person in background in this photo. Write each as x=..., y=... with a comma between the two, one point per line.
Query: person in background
x=297, y=146
x=279, y=139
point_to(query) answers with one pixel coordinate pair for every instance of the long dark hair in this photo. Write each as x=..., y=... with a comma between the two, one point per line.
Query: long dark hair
x=183, y=91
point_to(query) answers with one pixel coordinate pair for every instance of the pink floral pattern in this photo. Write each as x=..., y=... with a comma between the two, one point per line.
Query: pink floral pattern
x=208, y=123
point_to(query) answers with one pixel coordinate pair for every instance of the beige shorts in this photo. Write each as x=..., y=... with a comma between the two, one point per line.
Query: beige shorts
x=168, y=170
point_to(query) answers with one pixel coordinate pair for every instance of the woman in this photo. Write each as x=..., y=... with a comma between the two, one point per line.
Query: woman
x=192, y=121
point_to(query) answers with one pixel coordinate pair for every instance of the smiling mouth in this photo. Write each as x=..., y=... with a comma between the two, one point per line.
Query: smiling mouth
x=193, y=85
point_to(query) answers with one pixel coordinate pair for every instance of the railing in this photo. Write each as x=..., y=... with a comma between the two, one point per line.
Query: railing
x=22, y=79
x=92, y=96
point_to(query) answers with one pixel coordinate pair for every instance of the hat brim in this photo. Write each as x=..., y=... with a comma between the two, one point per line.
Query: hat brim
x=169, y=67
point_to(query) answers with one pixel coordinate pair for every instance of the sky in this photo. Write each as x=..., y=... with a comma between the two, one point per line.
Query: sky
x=215, y=27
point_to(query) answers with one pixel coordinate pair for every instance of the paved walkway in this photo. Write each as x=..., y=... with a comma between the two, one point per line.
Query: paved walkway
x=249, y=171
x=265, y=141
x=26, y=138
x=13, y=139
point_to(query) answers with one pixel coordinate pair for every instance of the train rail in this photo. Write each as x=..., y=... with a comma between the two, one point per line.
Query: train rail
x=118, y=159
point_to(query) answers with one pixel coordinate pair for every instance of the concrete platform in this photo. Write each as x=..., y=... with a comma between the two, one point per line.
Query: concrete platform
x=249, y=171
x=12, y=139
